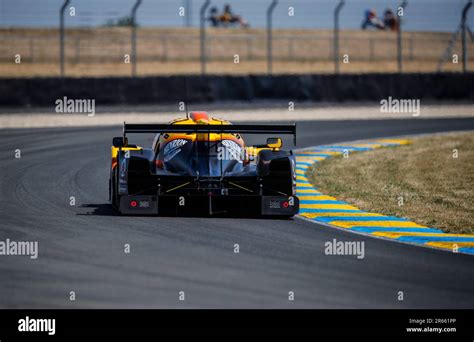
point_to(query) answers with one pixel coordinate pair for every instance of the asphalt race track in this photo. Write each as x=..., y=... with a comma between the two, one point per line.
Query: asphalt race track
x=81, y=247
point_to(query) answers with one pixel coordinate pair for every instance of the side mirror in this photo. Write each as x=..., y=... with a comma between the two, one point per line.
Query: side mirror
x=274, y=142
x=118, y=142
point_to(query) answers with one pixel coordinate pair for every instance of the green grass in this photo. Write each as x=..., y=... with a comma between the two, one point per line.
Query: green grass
x=437, y=189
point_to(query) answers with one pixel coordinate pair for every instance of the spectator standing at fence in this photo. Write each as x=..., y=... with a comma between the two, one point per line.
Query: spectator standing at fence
x=390, y=20
x=371, y=20
x=214, y=17
x=227, y=17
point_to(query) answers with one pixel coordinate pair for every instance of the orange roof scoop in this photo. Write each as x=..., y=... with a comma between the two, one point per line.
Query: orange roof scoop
x=199, y=117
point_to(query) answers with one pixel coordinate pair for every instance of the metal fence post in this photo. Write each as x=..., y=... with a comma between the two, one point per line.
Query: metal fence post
x=269, y=36
x=411, y=47
x=187, y=13
x=337, y=10
x=249, y=47
x=202, y=23
x=399, y=36
x=78, y=50
x=32, y=50
x=134, y=36
x=291, y=54
x=464, y=36
x=61, y=36
x=164, y=47
x=371, y=49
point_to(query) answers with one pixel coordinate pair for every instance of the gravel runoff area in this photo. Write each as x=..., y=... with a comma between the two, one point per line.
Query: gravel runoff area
x=233, y=111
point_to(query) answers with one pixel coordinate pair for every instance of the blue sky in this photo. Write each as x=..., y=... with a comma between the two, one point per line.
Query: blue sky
x=420, y=15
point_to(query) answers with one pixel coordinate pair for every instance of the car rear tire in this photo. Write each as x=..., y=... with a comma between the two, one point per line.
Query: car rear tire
x=115, y=195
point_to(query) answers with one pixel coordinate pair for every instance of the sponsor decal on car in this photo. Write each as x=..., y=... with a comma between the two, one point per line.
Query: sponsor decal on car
x=280, y=203
x=276, y=204
x=173, y=148
x=231, y=151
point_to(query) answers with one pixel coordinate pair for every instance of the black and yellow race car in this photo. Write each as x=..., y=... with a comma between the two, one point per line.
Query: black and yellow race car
x=200, y=165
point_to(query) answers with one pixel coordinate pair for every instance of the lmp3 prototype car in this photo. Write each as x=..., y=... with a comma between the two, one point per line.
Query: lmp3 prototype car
x=201, y=165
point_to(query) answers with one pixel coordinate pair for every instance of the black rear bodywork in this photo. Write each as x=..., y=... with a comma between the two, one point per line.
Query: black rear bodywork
x=192, y=178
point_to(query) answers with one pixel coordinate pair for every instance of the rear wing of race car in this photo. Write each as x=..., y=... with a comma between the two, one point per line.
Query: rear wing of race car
x=244, y=129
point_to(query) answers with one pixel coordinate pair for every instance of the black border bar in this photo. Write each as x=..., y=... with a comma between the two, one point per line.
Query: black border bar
x=185, y=322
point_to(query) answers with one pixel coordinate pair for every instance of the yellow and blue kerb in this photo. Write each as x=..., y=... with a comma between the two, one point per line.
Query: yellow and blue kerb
x=326, y=209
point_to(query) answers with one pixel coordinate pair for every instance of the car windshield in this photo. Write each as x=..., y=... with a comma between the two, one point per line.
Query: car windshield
x=203, y=158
